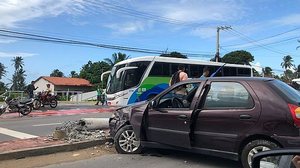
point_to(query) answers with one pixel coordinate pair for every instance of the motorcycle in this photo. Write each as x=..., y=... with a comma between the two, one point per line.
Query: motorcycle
x=42, y=99
x=15, y=105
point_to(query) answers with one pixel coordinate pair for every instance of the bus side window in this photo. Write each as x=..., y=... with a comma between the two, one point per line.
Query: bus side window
x=244, y=72
x=160, y=69
x=229, y=71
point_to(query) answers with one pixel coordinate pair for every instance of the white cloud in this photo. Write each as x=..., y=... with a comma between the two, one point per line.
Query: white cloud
x=204, y=32
x=14, y=54
x=13, y=12
x=289, y=20
x=128, y=27
x=257, y=66
x=6, y=41
x=197, y=11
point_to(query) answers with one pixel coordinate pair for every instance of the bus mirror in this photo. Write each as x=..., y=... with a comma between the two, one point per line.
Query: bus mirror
x=118, y=74
x=104, y=73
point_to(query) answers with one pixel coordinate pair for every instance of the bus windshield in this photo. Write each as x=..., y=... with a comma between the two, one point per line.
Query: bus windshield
x=114, y=83
x=128, y=79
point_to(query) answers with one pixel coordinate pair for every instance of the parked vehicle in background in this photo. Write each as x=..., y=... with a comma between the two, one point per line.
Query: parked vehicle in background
x=15, y=105
x=229, y=117
x=42, y=100
x=143, y=78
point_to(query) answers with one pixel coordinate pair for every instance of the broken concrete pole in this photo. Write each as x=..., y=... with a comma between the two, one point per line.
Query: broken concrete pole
x=59, y=134
x=94, y=123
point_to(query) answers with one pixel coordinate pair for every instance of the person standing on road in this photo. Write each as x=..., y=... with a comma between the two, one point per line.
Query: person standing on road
x=205, y=72
x=99, y=93
x=178, y=76
x=30, y=89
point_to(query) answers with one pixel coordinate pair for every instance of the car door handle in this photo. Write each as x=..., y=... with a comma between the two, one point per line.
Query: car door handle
x=245, y=116
x=182, y=117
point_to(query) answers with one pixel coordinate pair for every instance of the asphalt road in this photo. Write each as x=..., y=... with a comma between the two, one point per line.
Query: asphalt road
x=41, y=126
x=161, y=159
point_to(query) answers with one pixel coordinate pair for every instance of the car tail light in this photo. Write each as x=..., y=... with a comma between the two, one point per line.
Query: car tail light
x=295, y=111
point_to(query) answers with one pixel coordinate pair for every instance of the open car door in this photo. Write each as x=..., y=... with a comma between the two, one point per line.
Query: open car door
x=169, y=116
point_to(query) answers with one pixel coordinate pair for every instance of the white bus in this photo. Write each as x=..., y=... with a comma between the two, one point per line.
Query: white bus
x=142, y=78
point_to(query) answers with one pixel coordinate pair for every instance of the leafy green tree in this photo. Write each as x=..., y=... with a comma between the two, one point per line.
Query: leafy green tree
x=287, y=62
x=56, y=73
x=238, y=57
x=92, y=71
x=115, y=58
x=288, y=76
x=74, y=74
x=174, y=54
x=255, y=73
x=268, y=72
x=18, y=79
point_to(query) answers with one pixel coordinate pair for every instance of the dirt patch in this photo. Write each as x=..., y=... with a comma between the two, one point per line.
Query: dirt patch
x=39, y=161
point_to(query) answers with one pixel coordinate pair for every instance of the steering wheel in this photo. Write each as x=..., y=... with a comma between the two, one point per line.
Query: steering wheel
x=177, y=103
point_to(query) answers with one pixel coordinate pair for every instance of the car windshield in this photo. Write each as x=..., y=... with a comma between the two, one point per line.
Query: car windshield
x=287, y=91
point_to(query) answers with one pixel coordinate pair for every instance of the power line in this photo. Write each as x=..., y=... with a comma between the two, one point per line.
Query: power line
x=269, y=37
x=250, y=40
x=42, y=38
x=116, y=7
x=277, y=42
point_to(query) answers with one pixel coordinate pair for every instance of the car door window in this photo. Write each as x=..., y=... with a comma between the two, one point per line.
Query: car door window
x=228, y=95
x=179, y=97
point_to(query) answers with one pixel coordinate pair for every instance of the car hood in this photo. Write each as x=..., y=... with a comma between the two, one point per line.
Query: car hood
x=134, y=105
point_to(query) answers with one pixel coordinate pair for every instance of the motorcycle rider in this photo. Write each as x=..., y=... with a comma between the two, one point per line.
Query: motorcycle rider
x=30, y=88
x=46, y=93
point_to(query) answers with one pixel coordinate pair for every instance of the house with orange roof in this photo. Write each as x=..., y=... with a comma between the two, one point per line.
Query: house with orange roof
x=63, y=84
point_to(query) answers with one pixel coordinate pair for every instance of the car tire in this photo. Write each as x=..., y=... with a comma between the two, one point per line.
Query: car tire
x=126, y=141
x=254, y=147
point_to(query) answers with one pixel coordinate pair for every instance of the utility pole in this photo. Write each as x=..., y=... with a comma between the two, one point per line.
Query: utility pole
x=217, y=56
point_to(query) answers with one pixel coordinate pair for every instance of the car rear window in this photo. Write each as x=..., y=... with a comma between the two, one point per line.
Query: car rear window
x=289, y=93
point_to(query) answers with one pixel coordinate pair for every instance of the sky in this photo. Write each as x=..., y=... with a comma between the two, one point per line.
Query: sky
x=268, y=29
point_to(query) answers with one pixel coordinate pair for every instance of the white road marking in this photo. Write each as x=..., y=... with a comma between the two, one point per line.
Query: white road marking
x=16, y=134
x=40, y=125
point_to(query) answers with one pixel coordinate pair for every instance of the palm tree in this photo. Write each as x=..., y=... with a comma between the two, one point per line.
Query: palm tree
x=18, y=62
x=268, y=72
x=287, y=62
x=2, y=70
x=298, y=71
x=18, y=79
x=115, y=58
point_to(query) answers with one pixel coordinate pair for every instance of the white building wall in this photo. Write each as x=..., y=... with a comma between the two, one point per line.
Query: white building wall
x=42, y=85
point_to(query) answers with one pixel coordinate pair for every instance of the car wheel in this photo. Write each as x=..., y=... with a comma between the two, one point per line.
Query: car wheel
x=254, y=147
x=126, y=141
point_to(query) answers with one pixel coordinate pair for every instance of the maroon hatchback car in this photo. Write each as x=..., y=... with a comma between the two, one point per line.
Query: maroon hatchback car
x=228, y=117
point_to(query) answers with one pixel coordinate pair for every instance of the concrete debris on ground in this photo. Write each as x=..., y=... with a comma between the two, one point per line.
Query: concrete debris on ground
x=109, y=144
x=75, y=131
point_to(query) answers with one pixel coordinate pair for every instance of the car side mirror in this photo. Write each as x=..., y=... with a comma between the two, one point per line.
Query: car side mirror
x=152, y=104
x=280, y=158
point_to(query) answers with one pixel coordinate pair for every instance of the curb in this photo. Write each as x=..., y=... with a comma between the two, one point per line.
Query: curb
x=37, y=151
